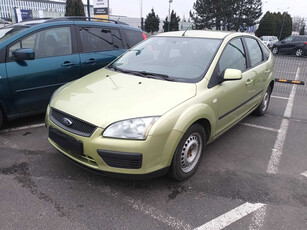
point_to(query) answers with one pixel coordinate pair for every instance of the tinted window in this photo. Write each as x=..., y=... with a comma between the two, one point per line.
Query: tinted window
x=133, y=37
x=233, y=57
x=46, y=43
x=117, y=39
x=254, y=51
x=100, y=39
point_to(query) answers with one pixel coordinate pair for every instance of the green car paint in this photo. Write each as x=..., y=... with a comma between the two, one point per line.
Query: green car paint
x=105, y=97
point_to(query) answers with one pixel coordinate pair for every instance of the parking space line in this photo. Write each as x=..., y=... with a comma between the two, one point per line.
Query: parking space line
x=22, y=128
x=148, y=210
x=281, y=137
x=304, y=174
x=230, y=217
x=258, y=219
x=284, y=98
x=260, y=127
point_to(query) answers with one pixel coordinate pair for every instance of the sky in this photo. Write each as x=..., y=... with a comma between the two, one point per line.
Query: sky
x=131, y=8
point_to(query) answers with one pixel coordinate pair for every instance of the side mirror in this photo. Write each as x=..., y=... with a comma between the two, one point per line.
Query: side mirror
x=232, y=74
x=24, y=54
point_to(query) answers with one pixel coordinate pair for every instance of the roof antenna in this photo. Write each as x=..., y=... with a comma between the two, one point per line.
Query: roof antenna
x=187, y=29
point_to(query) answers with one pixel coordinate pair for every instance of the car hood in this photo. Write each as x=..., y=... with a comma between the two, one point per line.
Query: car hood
x=105, y=96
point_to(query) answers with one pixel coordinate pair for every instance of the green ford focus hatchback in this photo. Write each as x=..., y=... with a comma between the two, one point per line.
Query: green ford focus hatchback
x=153, y=110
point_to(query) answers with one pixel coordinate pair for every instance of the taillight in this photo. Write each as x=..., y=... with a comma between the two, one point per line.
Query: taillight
x=305, y=43
x=144, y=36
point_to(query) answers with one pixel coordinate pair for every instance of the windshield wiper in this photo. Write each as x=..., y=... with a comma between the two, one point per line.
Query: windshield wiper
x=127, y=71
x=154, y=75
x=142, y=73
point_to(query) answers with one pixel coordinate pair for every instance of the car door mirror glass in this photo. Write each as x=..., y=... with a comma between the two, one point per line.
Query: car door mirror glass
x=24, y=54
x=232, y=74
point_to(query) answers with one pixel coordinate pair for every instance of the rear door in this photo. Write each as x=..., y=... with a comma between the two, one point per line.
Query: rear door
x=32, y=82
x=98, y=46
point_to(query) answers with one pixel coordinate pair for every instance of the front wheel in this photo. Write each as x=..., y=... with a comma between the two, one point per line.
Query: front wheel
x=188, y=153
x=275, y=50
x=299, y=52
x=262, y=108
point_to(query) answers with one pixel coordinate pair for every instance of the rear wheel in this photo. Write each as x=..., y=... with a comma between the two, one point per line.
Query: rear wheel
x=299, y=52
x=275, y=50
x=262, y=108
x=188, y=153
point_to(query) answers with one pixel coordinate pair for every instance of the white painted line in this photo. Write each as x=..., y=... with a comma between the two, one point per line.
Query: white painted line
x=289, y=107
x=278, y=147
x=230, y=217
x=281, y=137
x=304, y=174
x=22, y=128
x=258, y=219
x=148, y=210
x=284, y=98
x=260, y=127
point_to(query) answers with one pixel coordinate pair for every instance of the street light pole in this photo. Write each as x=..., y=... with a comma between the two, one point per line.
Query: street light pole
x=283, y=21
x=169, y=15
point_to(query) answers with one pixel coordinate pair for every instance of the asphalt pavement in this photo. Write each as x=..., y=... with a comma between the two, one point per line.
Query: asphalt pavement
x=252, y=177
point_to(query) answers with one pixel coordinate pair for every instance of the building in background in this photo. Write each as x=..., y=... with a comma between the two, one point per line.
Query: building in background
x=13, y=10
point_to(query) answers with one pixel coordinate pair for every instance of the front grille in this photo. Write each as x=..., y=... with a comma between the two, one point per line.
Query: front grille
x=121, y=160
x=77, y=126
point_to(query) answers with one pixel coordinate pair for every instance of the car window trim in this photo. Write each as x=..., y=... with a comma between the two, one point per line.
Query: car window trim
x=73, y=50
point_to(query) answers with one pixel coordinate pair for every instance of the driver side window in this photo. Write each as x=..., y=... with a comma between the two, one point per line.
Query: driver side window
x=47, y=43
x=233, y=57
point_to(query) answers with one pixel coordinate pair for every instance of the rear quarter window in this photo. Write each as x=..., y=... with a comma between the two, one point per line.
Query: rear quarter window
x=133, y=37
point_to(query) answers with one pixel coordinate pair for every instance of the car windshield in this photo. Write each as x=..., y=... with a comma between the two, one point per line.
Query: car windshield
x=169, y=58
x=7, y=32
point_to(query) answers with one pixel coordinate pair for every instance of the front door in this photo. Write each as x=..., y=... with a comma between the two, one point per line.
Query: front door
x=32, y=82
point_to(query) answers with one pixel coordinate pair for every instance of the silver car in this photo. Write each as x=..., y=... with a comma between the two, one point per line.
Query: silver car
x=269, y=41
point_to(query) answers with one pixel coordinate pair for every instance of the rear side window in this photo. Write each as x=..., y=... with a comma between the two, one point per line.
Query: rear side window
x=266, y=52
x=100, y=39
x=255, y=52
x=133, y=37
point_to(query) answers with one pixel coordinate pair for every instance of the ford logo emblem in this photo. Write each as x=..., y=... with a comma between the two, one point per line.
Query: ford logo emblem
x=66, y=121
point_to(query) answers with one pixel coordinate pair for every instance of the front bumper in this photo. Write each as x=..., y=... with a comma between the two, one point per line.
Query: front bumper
x=112, y=156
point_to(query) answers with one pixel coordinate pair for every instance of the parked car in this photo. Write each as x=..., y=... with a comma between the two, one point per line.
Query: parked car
x=153, y=110
x=269, y=41
x=38, y=56
x=292, y=45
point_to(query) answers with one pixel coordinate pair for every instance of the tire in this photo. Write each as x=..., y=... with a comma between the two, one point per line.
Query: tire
x=299, y=52
x=262, y=108
x=275, y=50
x=1, y=119
x=188, y=153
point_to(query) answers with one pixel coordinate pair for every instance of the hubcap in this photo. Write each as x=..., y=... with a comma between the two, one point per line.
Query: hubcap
x=265, y=101
x=275, y=50
x=190, y=152
x=299, y=52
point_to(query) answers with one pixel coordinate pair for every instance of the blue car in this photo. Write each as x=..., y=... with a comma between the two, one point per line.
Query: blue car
x=37, y=57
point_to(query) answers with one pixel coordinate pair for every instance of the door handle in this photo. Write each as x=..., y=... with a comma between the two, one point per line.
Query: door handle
x=90, y=61
x=249, y=82
x=67, y=64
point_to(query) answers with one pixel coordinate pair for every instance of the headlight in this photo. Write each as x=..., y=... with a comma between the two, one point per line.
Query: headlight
x=137, y=128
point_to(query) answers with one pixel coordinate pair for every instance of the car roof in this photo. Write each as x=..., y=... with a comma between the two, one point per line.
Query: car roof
x=199, y=34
